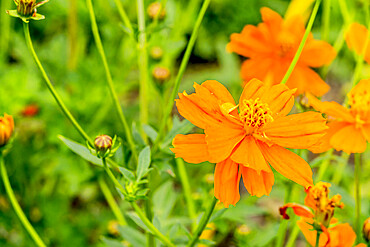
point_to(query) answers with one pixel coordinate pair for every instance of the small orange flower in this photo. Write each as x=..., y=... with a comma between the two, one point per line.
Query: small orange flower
x=271, y=47
x=320, y=218
x=243, y=142
x=366, y=230
x=6, y=129
x=356, y=38
x=348, y=128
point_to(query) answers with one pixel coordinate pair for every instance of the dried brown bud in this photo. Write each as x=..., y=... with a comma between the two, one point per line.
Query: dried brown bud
x=153, y=10
x=161, y=74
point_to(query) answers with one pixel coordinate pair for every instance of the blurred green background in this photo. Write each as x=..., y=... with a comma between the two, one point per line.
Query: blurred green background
x=59, y=191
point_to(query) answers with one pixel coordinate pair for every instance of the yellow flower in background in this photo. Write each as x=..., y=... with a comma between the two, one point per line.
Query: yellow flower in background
x=299, y=7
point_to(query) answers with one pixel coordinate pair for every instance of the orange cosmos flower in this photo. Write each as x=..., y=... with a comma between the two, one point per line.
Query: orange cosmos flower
x=242, y=142
x=317, y=215
x=271, y=47
x=356, y=38
x=348, y=128
x=6, y=129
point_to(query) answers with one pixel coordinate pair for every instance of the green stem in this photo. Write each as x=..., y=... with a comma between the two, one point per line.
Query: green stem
x=187, y=191
x=124, y=17
x=303, y=42
x=143, y=64
x=337, y=177
x=151, y=227
x=18, y=210
x=112, y=91
x=51, y=88
x=284, y=224
x=317, y=239
x=182, y=69
x=345, y=13
x=111, y=202
x=324, y=165
x=358, y=195
x=203, y=222
x=293, y=236
x=111, y=176
x=326, y=20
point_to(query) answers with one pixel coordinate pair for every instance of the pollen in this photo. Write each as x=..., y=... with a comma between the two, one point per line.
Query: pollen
x=360, y=104
x=255, y=114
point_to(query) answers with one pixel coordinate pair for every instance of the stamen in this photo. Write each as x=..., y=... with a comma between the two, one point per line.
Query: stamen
x=255, y=114
x=360, y=105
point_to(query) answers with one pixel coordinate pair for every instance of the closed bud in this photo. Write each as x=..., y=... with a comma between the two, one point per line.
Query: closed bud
x=103, y=143
x=161, y=74
x=366, y=230
x=156, y=52
x=30, y=110
x=6, y=129
x=27, y=9
x=156, y=10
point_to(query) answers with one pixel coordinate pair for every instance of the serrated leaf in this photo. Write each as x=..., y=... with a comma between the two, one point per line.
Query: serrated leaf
x=81, y=150
x=129, y=175
x=150, y=131
x=134, y=237
x=144, y=163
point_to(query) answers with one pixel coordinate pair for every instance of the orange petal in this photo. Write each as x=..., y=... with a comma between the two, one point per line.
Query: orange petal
x=249, y=154
x=349, y=139
x=366, y=131
x=192, y=148
x=202, y=108
x=227, y=178
x=306, y=80
x=222, y=138
x=272, y=19
x=261, y=69
x=257, y=184
x=299, y=210
x=280, y=99
x=310, y=234
x=317, y=53
x=252, y=90
x=332, y=109
x=342, y=235
x=287, y=163
x=296, y=131
x=356, y=38
x=323, y=144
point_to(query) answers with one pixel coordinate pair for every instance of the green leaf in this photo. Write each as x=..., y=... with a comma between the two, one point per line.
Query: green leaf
x=164, y=198
x=111, y=242
x=144, y=163
x=178, y=127
x=81, y=150
x=137, y=137
x=150, y=131
x=129, y=175
x=133, y=216
x=134, y=237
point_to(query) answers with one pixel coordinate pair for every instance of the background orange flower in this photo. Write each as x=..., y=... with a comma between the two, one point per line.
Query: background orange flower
x=271, y=47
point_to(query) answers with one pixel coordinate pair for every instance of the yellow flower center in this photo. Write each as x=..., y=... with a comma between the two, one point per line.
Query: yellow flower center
x=360, y=105
x=255, y=114
x=286, y=43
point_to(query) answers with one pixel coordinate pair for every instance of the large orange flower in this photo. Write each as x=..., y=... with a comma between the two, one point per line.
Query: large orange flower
x=243, y=142
x=356, y=38
x=317, y=214
x=271, y=47
x=348, y=128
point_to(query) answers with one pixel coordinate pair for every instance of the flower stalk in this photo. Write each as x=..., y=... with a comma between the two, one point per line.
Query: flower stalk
x=108, y=74
x=303, y=42
x=18, y=210
x=358, y=195
x=203, y=222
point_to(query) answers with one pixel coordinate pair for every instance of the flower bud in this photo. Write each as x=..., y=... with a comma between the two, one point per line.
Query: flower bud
x=153, y=11
x=30, y=110
x=156, y=52
x=103, y=143
x=6, y=129
x=161, y=74
x=27, y=9
x=366, y=230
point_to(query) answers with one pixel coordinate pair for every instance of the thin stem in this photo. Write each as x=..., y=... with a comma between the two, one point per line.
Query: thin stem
x=284, y=224
x=151, y=227
x=124, y=17
x=345, y=13
x=143, y=64
x=303, y=42
x=54, y=93
x=337, y=177
x=326, y=20
x=317, y=239
x=18, y=210
x=51, y=88
x=293, y=236
x=358, y=194
x=187, y=191
x=203, y=222
x=324, y=165
x=112, y=91
x=111, y=202
x=111, y=176
x=182, y=69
